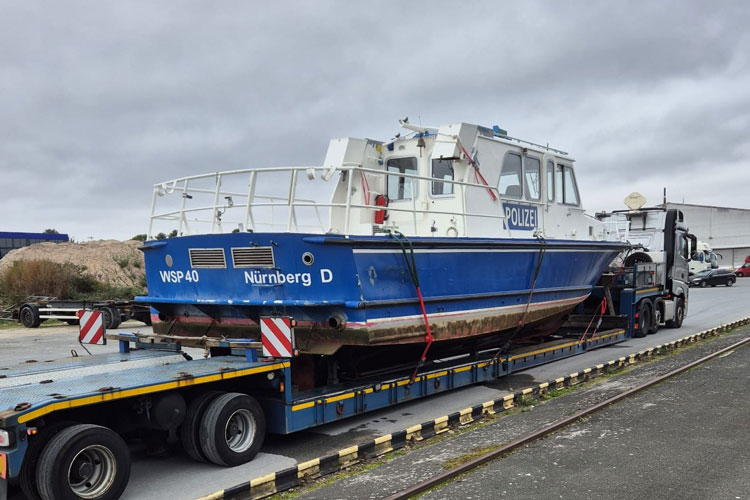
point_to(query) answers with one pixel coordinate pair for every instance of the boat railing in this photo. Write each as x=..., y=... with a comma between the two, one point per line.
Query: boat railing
x=619, y=227
x=236, y=199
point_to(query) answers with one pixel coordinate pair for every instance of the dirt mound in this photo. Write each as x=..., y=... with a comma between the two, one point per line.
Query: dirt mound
x=116, y=263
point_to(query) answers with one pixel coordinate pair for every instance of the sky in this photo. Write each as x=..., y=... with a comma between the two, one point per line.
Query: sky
x=101, y=100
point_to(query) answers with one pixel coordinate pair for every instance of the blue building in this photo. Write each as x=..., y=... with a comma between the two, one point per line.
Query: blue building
x=10, y=241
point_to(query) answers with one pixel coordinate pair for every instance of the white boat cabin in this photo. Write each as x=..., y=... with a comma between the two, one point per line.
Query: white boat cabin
x=458, y=180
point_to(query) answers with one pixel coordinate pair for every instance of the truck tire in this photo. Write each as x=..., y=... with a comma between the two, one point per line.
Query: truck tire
x=679, y=314
x=111, y=317
x=27, y=474
x=657, y=316
x=29, y=316
x=232, y=429
x=84, y=461
x=644, y=319
x=190, y=431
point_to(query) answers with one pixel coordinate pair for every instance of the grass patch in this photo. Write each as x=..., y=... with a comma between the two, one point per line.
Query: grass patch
x=64, y=281
x=476, y=452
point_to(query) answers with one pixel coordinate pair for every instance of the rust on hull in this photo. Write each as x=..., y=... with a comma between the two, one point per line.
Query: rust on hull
x=319, y=338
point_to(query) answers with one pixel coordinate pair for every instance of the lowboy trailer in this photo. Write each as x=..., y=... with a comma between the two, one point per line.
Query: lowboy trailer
x=64, y=425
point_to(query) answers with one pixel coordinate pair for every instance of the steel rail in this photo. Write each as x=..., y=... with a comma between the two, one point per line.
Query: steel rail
x=529, y=438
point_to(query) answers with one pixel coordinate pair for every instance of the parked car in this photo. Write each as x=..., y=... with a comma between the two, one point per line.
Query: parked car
x=713, y=277
x=743, y=270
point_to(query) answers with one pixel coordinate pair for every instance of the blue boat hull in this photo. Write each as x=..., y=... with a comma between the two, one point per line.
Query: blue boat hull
x=357, y=291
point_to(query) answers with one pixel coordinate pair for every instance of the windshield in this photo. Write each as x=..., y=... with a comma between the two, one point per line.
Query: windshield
x=700, y=274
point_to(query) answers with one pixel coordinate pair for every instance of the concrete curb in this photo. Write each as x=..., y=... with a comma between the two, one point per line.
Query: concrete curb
x=283, y=480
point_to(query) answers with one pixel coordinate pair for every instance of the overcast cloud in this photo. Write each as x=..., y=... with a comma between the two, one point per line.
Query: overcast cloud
x=100, y=100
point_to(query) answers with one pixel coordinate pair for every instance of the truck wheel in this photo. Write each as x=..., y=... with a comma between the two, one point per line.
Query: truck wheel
x=111, y=317
x=29, y=316
x=657, y=316
x=84, y=461
x=644, y=319
x=679, y=314
x=27, y=474
x=232, y=429
x=190, y=432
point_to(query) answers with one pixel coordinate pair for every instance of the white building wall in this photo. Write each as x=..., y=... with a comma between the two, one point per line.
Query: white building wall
x=726, y=230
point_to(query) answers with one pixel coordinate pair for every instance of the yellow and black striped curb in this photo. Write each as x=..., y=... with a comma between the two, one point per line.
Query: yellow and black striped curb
x=276, y=482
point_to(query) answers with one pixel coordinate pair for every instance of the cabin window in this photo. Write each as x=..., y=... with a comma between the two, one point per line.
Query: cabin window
x=400, y=187
x=550, y=181
x=442, y=169
x=531, y=174
x=567, y=191
x=510, y=177
x=682, y=246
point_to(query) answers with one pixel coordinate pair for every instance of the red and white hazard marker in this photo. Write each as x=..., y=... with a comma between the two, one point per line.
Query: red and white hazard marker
x=91, y=327
x=276, y=335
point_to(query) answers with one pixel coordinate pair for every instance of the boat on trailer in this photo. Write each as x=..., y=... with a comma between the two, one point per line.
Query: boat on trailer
x=454, y=237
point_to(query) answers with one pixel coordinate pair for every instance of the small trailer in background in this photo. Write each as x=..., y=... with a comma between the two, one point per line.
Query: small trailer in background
x=32, y=312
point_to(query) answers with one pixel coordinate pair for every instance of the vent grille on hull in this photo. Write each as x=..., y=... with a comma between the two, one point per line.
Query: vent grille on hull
x=211, y=258
x=253, y=257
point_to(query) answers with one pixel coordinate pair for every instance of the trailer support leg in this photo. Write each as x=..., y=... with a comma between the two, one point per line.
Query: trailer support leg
x=124, y=347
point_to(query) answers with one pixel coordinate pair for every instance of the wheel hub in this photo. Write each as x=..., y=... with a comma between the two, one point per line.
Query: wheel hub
x=85, y=470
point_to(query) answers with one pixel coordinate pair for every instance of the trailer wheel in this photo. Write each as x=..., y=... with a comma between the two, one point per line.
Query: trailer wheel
x=84, y=461
x=232, y=429
x=679, y=314
x=29, y=316
x=27, y=474
x=111, y=317
x=644, y=319
x=190, y=432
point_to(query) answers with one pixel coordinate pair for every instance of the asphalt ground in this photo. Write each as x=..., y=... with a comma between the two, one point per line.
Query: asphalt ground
x=686, y=438
x=178, y=477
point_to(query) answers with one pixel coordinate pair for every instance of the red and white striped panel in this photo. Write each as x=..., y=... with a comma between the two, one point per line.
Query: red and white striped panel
x=276, y=335
x=91, y=325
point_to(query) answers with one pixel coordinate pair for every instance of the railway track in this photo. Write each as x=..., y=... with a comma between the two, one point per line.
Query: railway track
x=498, y=453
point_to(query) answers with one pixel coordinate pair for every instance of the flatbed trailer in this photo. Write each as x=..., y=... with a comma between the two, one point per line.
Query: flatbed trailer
x=146, y=390
x=35, y=310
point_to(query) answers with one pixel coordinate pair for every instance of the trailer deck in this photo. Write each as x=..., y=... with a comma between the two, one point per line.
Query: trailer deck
x=31, y=392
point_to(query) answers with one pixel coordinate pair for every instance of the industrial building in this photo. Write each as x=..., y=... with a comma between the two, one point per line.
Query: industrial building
x=726, y=230
x=11, y=241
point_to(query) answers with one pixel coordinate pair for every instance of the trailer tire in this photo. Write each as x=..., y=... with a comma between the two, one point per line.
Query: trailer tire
x=84, y=461
x=232, y=429
x=190, y=432
x=644, y=319
x=27, y=474
x=29, y=316
x=111, y=317
x=679, y=314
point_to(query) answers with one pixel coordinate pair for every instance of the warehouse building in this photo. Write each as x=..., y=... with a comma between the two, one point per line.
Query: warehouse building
x=726, y=230
x=11, y=241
